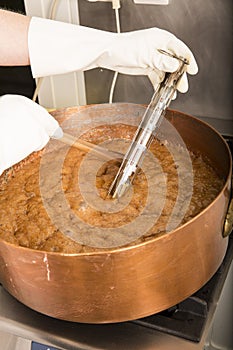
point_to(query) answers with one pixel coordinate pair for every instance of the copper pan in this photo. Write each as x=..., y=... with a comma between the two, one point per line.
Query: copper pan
x=131, y=282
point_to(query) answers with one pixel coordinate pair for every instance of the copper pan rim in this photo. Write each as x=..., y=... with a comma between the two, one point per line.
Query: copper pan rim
x=163, y=236
x=128, y=282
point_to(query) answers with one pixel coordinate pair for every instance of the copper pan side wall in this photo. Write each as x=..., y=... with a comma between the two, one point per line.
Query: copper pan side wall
x=118, y=286
x=127, y=283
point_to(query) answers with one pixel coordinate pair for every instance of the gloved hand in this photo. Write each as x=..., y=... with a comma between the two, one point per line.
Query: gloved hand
x=56, y=48
x=25, y=127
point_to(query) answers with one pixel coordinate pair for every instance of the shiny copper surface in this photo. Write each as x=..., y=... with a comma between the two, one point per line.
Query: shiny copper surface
x=228, y=225
x=128, y=283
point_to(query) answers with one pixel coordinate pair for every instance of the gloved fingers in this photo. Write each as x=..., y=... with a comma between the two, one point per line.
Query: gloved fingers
x=20, y=134
x=156, y=85
x=19, y=117
x=43, y=118
x=183, y=84
x=31, y=109
x=27, y=124
x=127, y=70
x=156, y=79
x=174, y=96
x=180, y=49
x=46, y=121
x=36, y=142
x=58, y=133
x=165, y=63
x=155, y=76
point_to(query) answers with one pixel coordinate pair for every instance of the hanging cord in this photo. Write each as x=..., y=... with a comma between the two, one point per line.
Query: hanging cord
x=115, y=5
x=52, y=15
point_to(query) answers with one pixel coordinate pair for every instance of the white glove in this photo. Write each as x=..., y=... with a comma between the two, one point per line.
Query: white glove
x=56, y=48
x=25, y=127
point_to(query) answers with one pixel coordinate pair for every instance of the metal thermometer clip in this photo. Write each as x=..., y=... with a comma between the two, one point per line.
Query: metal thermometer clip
x=146, y=131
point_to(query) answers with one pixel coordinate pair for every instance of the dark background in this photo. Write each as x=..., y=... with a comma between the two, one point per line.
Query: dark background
x=16, y=80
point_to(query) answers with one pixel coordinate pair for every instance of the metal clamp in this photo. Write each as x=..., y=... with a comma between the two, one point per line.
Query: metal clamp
x=145, y=133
